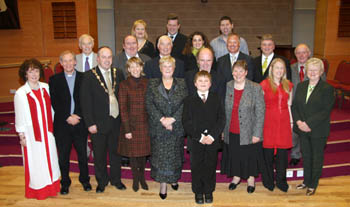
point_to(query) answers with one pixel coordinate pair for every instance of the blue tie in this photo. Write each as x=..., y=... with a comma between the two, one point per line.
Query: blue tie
x=87, y=65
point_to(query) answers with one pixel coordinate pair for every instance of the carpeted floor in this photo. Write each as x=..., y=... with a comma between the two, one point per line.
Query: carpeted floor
x=337, y=152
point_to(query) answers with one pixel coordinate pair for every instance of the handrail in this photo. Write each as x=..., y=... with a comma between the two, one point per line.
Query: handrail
x=14, y=65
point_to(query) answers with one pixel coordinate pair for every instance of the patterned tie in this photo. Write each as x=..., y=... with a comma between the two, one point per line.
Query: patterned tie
x=113, y=102
x=203, y=98
x=233, y=60
x=87, y=65
x=309, y=91
x=264, y=66
x=301, y=73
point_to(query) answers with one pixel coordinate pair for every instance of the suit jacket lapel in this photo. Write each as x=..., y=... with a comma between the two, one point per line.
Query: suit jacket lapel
x=94, y=59
x=314, y=92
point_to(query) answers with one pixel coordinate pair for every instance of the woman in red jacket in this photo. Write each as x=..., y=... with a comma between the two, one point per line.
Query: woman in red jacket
x=277, y=126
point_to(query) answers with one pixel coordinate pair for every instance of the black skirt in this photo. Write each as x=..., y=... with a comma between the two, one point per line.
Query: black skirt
x=239, y=160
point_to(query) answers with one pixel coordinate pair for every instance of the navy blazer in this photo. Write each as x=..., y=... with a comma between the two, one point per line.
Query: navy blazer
x=152, y=70
x=224, y=67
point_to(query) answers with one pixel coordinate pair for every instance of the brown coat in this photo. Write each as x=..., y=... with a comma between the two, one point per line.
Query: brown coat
x=134, y=118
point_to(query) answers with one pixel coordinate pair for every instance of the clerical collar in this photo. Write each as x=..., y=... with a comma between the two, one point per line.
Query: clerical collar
x=70, y=75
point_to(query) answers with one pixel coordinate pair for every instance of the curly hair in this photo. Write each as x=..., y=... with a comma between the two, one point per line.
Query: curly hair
x=26, y=65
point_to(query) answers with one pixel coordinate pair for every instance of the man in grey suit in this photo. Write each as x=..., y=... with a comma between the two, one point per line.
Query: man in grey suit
x=303, y=53
x=130, y=50
x=87, y=59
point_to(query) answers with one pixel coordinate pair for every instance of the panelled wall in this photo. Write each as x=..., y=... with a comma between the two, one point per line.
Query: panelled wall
x=251, y=18
x=36, y=38
x=327, y=42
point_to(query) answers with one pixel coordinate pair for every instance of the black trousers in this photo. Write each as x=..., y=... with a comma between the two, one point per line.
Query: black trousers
x=65, y=137
x=203, y=168
x=312, y=149
x=104, y=144
x=281, y=162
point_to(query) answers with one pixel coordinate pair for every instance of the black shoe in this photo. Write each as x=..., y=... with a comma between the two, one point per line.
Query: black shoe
x=175, y=186
x=209, y=198
x=86, y=186
x=162, y=196
x=199, y=198
x=294, y=162
x=100, y=189
x=135, y=186
x=64, y=190
x=250, y=189
x=120, y=186
x=144, y=185
x=233, y=186
x=283, y=187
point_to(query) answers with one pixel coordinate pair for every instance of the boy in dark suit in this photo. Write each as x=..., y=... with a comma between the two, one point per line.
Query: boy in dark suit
x=203, y=120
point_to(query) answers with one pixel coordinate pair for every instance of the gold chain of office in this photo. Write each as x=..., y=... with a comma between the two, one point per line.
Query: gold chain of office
x=102, y=84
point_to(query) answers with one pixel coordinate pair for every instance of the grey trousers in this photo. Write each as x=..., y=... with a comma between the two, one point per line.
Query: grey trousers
x=296, y=151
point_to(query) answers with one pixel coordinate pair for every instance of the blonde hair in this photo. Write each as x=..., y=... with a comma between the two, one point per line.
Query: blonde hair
x=316, y=62
x=284, y=81
x=267, y=37
x=167, y=59
x=202, y=73
x=137, y=22
x=137, y=61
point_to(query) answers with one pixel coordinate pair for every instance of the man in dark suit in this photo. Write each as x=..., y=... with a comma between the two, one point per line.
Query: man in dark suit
x=262, y=62
x=130, y=50
x=205, y=59
x=100, y=109
x=225, y=63
x=179, y=40
x=69, y=127
x=152, y=69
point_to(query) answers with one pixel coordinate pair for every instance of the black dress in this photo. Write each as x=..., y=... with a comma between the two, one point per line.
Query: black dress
x=148, y=49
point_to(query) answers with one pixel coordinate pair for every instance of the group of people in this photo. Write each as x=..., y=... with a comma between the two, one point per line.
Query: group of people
x=146, y=101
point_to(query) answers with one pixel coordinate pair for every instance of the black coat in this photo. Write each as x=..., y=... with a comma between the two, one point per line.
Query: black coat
x=217, y=85
x=61, y=100
x=95, y=100
x=198, y=117
x=316, y=112
x=152, y=70
x=178, y=45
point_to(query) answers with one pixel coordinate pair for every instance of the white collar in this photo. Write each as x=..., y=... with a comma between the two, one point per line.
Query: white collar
x=200, y=94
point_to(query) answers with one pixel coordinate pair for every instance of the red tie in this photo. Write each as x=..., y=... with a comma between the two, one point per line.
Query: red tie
x=301, y=73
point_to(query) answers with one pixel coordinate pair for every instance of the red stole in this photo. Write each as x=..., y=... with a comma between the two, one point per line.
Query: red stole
x=34, y=113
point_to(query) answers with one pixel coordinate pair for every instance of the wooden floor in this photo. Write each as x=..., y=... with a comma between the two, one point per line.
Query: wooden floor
x=332, y=192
